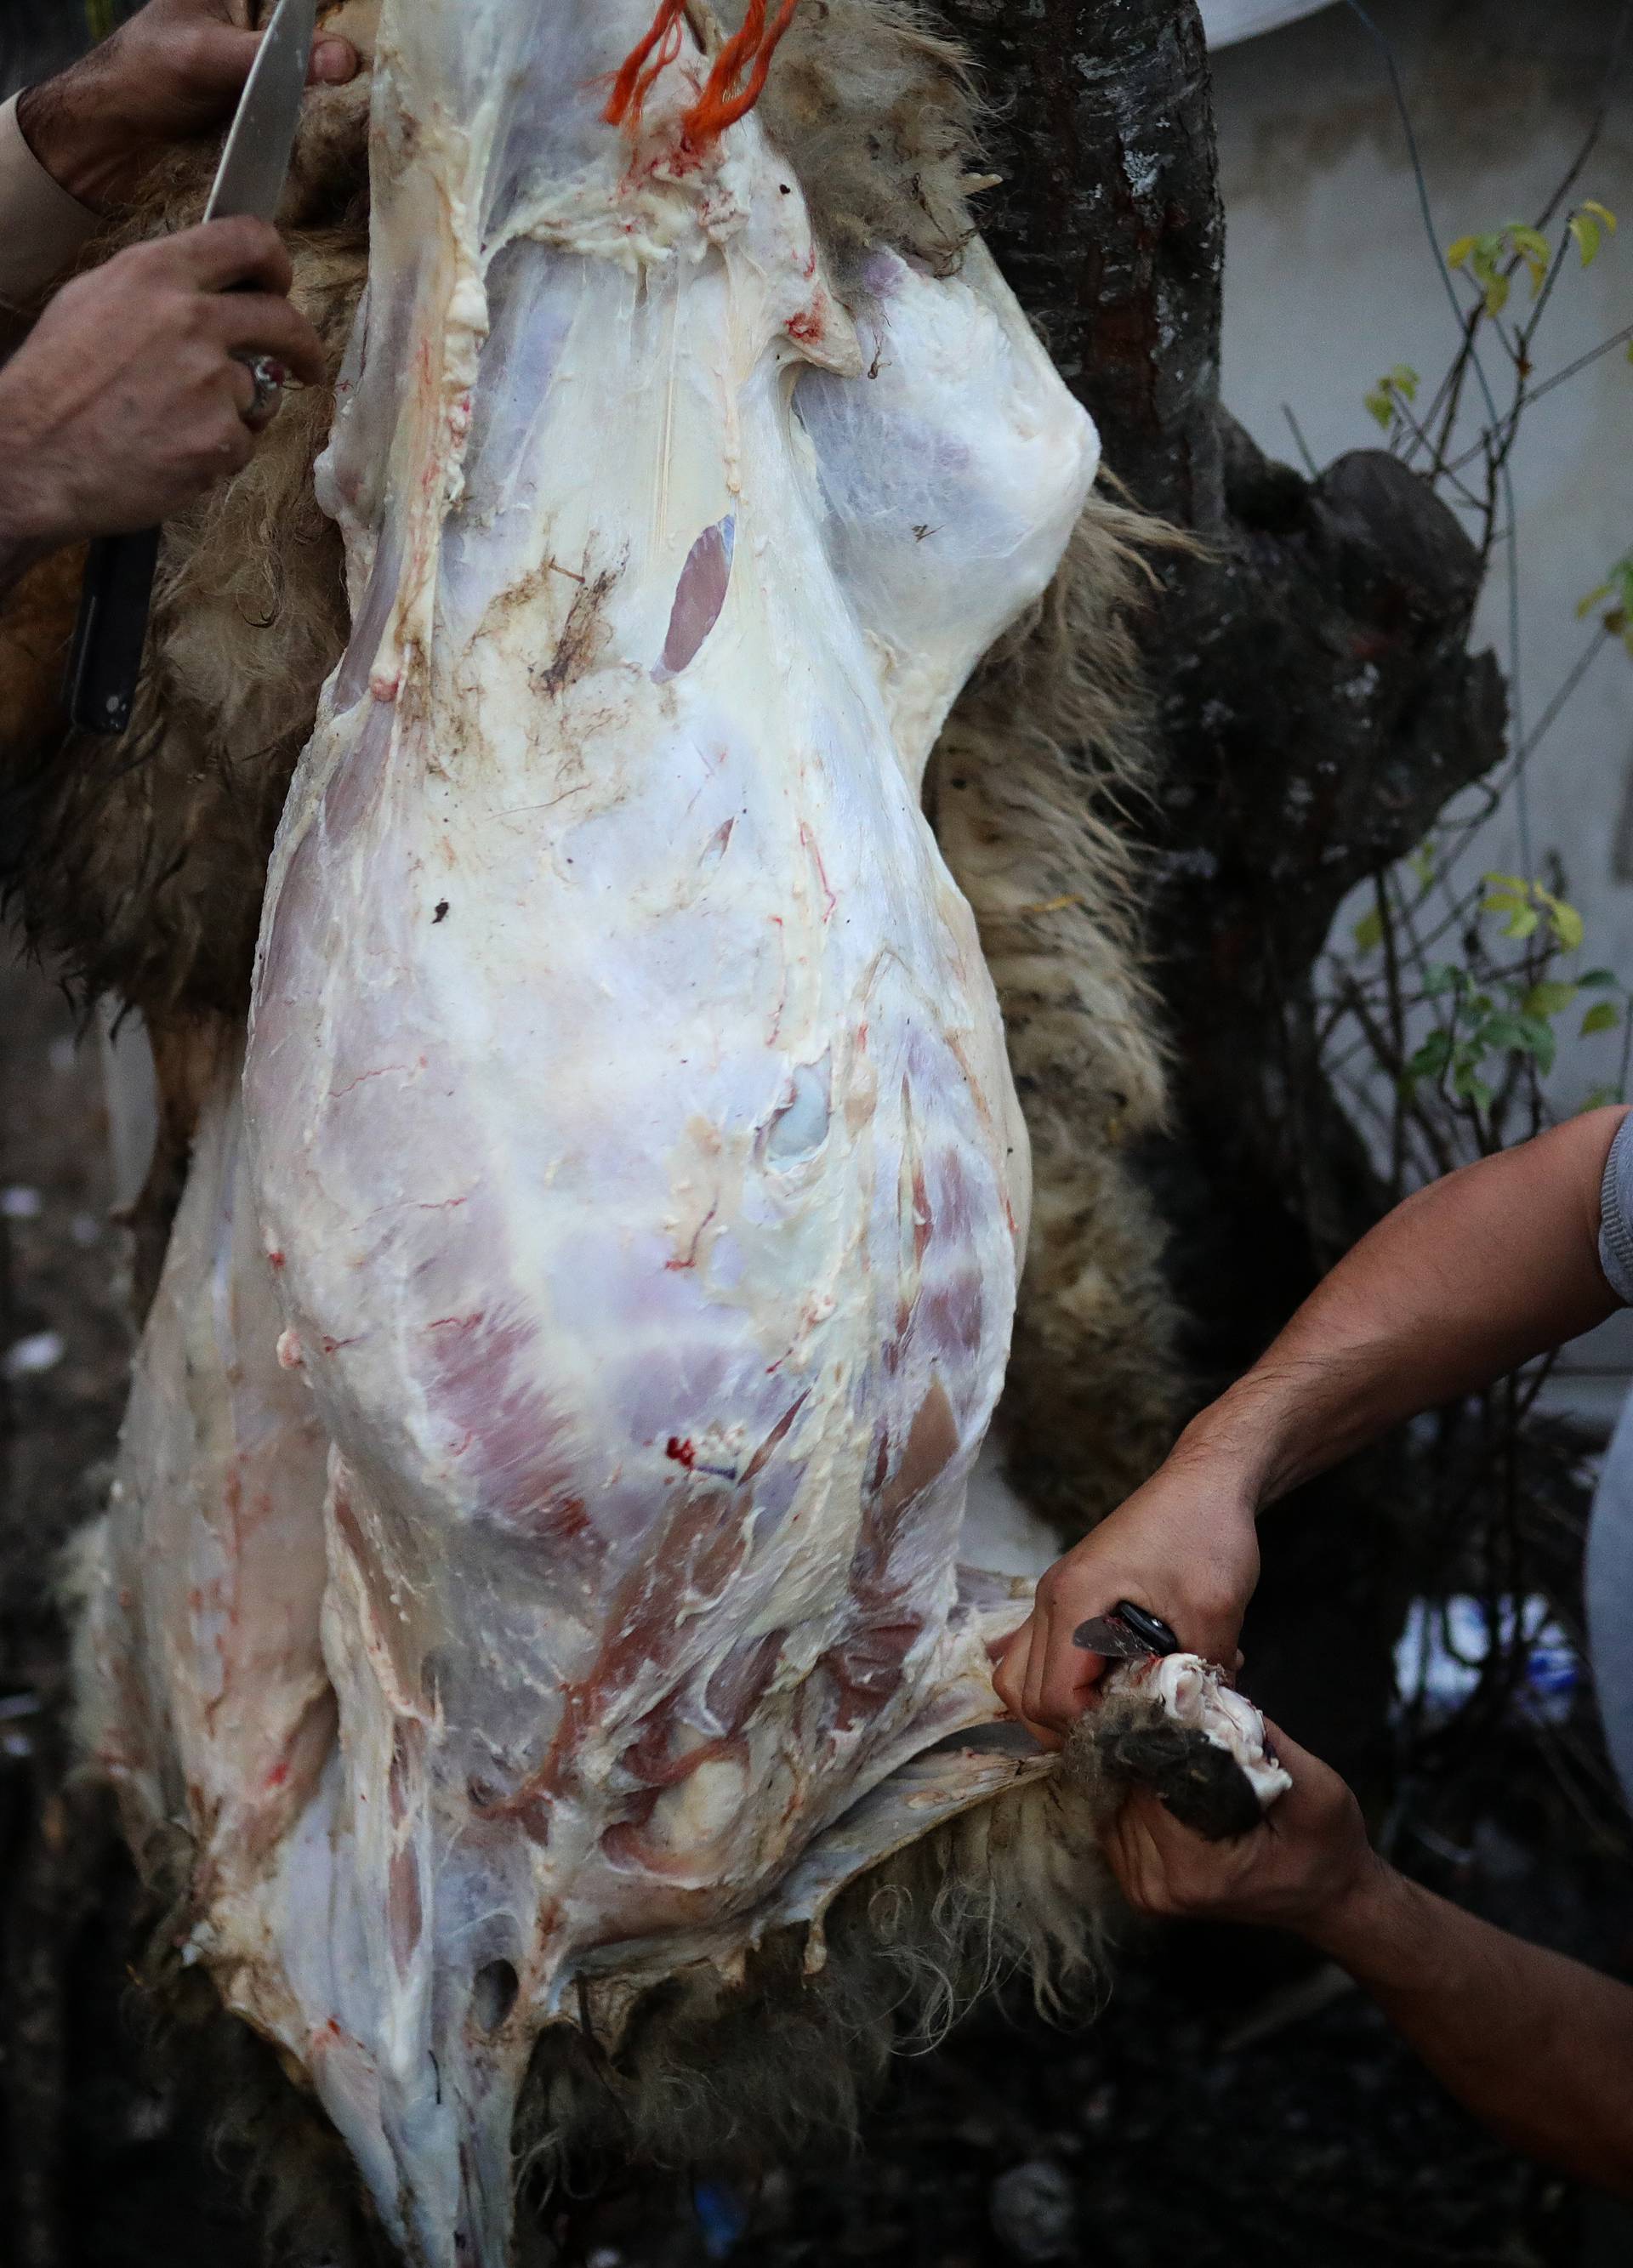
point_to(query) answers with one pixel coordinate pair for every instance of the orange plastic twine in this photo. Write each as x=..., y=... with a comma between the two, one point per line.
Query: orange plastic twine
x=636, y=74
x=734, y=85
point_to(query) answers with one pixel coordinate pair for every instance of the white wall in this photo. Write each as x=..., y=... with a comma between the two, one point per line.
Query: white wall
x=1225, y=21
x=1330, y=281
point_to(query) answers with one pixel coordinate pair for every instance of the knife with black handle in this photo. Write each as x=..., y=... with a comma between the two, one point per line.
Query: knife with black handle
x=105, y=662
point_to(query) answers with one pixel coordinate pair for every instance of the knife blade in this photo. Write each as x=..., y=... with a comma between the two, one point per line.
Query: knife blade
x=254, y=162
x=105, y=661
x=1128, y=1633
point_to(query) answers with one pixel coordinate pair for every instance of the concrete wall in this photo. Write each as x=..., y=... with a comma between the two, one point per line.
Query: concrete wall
x=1330, y=280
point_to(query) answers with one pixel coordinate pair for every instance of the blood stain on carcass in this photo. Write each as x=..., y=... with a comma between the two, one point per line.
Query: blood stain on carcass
x=700, y=595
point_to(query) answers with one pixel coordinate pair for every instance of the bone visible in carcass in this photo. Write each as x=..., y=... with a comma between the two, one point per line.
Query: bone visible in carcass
x=635, y=1156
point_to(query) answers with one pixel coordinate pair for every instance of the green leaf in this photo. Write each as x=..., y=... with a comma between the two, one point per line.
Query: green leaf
x=1584, y=228
x=1540, y=1043
x=1405, y=380
x=1593, y=206
x=1548, y=998
x=1472, y=1089
x=1603, y=1016
x=1457, y=253
x=1381, y=406
x=1369, y=930
x=1597, y=980
x=1586, y=605
x=1599, y=1096
x=1509, y=1032
x=1442, y=976
x=1565, y=922
x=1432, y=1057
x=1523, y=921
x=1532, y=248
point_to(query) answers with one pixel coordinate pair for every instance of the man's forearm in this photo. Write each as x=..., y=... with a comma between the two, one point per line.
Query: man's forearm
x=1538, y=2046
x=1457, y=1286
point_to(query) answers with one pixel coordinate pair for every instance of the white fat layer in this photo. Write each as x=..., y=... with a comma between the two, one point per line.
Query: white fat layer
x=1196, y=1694
x=629, y=1135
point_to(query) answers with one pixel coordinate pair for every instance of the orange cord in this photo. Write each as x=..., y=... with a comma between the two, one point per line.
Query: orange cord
x=633, y=83
x=723, y=101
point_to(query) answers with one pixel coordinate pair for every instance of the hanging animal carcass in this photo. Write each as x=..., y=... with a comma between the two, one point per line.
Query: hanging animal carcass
x=538, y=1586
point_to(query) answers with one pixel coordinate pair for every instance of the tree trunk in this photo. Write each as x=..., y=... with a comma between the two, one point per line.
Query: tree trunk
x=1315, y=705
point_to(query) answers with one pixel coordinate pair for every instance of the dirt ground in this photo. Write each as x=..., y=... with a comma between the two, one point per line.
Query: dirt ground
x=1228, y=2110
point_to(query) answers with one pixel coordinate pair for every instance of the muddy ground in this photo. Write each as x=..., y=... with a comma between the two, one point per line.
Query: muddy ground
x=1228, y=2110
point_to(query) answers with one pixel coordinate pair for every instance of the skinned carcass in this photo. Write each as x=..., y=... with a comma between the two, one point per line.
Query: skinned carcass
x=632, y=1134
x=627, y=1124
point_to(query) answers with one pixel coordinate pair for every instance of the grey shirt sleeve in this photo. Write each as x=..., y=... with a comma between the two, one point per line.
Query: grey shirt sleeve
x=1616, y=1214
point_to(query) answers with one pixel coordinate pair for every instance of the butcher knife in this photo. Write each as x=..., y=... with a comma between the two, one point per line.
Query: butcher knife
x=1128, y=1633
x=107, y=657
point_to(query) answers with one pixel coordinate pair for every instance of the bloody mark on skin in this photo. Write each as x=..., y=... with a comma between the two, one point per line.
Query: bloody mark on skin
x=682, y=1452
x=950, y=1318
x=333, y=1346
x=923, y=1220
x=336, y=1093
x=650, y=1759
x=403, y=1910
x=700, y=595
x=932, y=1444
x=689, y=1258
x=484, y=1388
x=695, y=1554
x=809, y=841
x=275, y=1258
x=441, y=912
x=866, y=1664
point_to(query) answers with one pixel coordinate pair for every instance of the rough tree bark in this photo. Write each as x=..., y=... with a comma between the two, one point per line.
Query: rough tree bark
x=1315, y=703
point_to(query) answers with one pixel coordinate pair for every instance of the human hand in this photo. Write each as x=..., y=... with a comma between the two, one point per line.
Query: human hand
x=1184, y=1547
x=172, y=73
x=126, y=401
x=1301, y=1869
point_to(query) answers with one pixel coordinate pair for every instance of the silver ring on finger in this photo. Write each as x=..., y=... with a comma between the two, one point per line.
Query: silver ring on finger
x=268, y=376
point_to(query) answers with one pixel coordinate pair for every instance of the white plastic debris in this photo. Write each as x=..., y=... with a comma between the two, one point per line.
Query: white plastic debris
x=32, y=1357
x=1442, y=1651
x=1034, y=2211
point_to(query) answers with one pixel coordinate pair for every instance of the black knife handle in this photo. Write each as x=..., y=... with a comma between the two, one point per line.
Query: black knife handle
x=112, y=630
x=1151, y=1628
